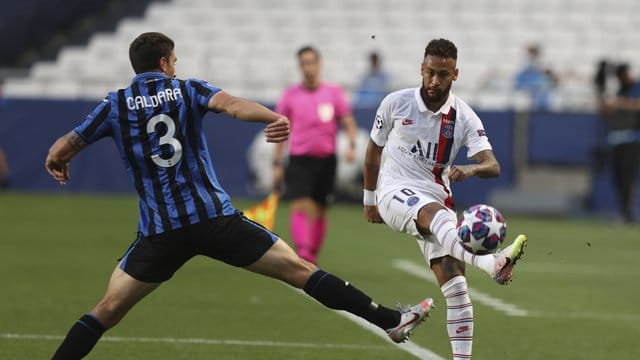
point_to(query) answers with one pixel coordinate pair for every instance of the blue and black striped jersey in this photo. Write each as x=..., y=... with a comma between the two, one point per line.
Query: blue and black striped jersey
x=156, y=124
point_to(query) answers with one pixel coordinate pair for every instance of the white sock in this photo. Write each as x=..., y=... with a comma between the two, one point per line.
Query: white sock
x=443, y=227
x=459, y=317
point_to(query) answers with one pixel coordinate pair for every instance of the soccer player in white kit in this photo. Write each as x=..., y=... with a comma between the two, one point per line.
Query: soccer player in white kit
x=408, y=168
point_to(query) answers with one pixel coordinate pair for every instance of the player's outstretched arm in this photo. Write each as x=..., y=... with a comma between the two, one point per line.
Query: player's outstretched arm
x=487, y=167
x=277, y=129
x=60, y=153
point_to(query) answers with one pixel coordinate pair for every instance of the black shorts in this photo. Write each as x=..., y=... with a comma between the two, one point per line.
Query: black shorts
x=308, y=176
x=232, y=239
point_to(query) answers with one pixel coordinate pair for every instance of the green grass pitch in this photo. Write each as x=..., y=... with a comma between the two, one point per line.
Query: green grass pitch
x=577, y=284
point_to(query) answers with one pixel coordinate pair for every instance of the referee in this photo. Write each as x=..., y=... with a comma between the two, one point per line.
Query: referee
x=156, y=124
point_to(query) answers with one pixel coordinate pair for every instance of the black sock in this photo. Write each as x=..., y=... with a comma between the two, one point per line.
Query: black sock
x=82, y=337
x=337, y=294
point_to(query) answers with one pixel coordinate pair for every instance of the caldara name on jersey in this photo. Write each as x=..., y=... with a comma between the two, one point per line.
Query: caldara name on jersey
x=161, y=97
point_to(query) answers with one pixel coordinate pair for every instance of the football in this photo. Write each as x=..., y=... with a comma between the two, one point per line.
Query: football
x=481, y=229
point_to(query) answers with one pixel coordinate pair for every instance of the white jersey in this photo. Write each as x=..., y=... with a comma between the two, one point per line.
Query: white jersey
x=419, y=145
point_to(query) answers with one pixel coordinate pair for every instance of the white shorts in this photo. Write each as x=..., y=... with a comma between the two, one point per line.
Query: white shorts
x=399, y=208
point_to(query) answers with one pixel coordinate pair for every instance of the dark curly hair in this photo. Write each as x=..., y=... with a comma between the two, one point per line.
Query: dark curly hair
x=441, y=47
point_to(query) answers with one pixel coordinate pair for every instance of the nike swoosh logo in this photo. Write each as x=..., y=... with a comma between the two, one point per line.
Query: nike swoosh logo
x=415, y=318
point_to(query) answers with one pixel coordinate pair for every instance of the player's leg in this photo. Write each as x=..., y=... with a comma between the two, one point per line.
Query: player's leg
x=304, y=212
x=420, y=214
x=280, y=262
x=148, y=262
x=323, y=187
x=450, y=274
x=243, y=243
x=123, y=292
x=319, y=226
x=435, y=219
x=625, y=168
x=298, y=181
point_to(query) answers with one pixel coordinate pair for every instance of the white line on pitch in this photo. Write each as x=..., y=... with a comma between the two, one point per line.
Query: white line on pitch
x=261, y=343
x=477, y=295
x=408, y=346
x=509, y=309
x=568, y=268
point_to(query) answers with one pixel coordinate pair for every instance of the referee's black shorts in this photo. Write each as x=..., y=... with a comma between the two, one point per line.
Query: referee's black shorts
x=308, y=176
x=232, y=239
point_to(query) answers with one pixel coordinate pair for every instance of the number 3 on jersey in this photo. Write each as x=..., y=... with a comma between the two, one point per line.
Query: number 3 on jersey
x=166, y=139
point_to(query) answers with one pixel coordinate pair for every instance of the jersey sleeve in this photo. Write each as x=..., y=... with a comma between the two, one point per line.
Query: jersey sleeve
x=383, y=123
x=476, y=139
x=341, y=104
x=202, y=92
x=96, y=125
x=282, y=107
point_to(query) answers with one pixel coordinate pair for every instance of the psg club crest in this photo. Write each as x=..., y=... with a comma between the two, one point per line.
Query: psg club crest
x=447, y=131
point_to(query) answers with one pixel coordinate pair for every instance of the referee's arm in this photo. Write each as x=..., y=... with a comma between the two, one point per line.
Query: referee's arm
x=60, y=153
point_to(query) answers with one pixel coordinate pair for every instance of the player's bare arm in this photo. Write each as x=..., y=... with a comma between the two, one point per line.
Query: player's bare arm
x=486, y=166
x=351, y=129
x=278, y=127
x=371, y=170
x=60, y=153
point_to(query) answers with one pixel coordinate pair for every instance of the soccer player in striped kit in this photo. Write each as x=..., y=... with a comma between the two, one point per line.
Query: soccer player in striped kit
x=416, y=135
x=156, y=124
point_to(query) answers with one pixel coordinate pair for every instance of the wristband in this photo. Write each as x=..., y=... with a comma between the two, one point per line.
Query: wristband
x=369, y=197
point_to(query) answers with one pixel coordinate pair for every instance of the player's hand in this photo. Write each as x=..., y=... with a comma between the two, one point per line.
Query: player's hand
x=372, y=215
x=58, y=170
x=278, y=131
x=461, y=172
x=350, y=156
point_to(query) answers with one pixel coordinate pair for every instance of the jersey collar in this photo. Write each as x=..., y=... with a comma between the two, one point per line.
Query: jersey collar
x=444, y=109
x=151, y=75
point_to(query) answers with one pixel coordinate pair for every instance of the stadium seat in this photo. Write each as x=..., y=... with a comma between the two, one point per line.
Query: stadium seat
x=255, y=42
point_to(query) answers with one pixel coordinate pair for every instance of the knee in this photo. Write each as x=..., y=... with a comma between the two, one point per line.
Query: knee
x=447, y=268
x=425, y=217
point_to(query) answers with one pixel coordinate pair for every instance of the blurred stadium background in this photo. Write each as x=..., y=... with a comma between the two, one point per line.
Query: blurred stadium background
x=60, y=58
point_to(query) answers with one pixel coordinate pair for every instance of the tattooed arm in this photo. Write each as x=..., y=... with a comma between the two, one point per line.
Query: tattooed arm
x=60, y=154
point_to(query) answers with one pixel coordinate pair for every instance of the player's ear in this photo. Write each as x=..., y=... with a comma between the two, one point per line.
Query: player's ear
x=455, y=74
x=163, y=64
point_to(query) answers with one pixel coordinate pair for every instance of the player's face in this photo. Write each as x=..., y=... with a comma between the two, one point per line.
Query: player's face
x=438, y=74
x=168, y=66
x=309, y=65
